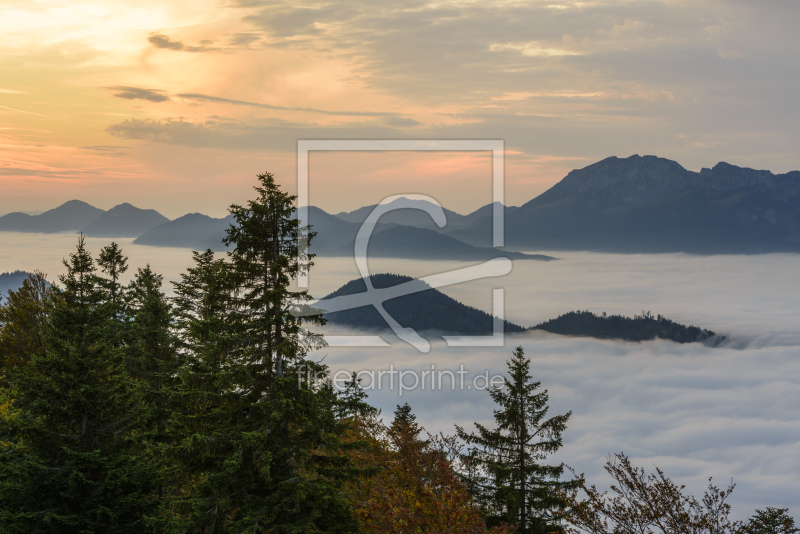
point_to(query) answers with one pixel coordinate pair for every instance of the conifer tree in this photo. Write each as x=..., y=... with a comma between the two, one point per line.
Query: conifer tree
x=150, y=351
x=268, y=245
x=256, y=445
x=113, y=264
x=770, y=521
x=505, y=461
x=77, y=467
x=352, y=401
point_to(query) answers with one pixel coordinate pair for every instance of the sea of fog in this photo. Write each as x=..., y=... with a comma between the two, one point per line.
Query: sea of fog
x=695, y=411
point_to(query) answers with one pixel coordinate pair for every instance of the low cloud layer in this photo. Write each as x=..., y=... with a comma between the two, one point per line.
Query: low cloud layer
x=694, y=411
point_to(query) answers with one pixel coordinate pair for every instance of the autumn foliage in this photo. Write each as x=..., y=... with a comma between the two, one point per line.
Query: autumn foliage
x=414, y=487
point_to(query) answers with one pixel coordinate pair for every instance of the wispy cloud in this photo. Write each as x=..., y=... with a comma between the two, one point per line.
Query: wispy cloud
x=139, y=93
x=209, y=98
x=159, y=40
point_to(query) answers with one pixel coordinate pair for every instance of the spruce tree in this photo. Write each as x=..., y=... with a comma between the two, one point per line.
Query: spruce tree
x=352, y=401
x=268, y=251
x=151, y=359
x=113, y=264
x=505, y=462
x=77, y=467
x=256, y=441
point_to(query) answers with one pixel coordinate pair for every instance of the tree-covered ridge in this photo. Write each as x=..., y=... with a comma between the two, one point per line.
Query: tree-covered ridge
x=425, y=310
x=642, y=327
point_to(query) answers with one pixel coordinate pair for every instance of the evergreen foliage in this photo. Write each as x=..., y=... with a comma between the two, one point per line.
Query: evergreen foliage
x=125, y=411
x=771, y=521
x=75, y=466
x=637, y=328
x=504, y=464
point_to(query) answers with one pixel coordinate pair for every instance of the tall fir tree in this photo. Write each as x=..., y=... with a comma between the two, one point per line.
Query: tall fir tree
x=268, y=251
x=256, y=447
x=152, y=360
x=113, y=264
x=77, y=467
x=505, y=462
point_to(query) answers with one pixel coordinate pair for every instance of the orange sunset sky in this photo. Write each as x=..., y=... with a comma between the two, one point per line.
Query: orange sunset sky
x=176, y=105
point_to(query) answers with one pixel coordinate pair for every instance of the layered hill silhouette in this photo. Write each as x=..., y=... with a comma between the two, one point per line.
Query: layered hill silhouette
x=639, y=204
x=124, y=220
x=70, y=216
x=194, y=230
x=423, y=243
x=429, y=310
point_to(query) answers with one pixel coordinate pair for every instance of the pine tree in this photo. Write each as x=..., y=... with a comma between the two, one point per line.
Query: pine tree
x=77, y=468
x=505, y=461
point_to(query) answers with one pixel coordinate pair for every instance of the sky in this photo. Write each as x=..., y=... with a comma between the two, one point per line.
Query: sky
x=178, y=105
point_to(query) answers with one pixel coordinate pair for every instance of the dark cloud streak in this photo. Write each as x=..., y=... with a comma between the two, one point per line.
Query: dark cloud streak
x=138, y=93
x=159, y=40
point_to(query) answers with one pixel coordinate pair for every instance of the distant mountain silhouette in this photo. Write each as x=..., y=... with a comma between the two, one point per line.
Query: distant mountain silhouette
x=422, y=243
x=194, y=230
x=650, y=204
x=332, y=232
x=429, y=309
x=637, y=328
x=403, y=216
x=636, y=204
x=124, y=220
x=68, y=217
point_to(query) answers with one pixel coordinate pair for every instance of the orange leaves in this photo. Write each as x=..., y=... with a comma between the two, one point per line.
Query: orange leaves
x=415, y=489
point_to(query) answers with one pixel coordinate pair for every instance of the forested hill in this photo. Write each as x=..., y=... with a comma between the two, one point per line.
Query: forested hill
x=11, y=281
x=637, y=328
x=429, y=309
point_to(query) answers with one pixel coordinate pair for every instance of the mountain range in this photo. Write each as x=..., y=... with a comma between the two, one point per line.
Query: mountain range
x=639, y=204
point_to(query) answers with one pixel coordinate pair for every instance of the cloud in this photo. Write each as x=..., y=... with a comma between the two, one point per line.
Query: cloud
x=138, y=93
x=244, y=38
x=692, y=410
x=278, y=135
x=208, y=98
x=111, y=150
x=401, y=122
x=159, y=40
